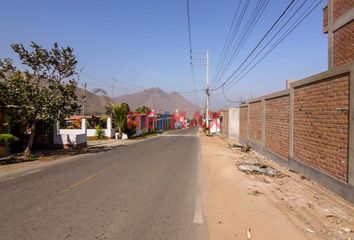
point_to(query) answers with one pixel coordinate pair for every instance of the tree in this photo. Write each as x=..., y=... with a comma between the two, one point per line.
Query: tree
x=44, y=91
x=120, y=116
x=143, y=110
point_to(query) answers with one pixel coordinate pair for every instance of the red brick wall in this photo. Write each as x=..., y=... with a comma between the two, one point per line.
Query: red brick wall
x=343, y=45
x=321, y=127
x=255, y=124
x=325, y=17
x=243, y=123
x=340, y=7
x=277, y=125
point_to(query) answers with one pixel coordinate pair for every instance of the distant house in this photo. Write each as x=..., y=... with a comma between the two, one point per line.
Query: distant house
x=215, y=122
x=151, y=122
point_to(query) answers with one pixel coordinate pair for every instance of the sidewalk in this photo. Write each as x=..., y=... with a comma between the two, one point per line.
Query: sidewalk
x=284, y=207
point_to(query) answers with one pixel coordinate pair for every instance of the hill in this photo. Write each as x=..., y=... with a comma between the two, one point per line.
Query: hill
x=95, y=104
x=157, y=99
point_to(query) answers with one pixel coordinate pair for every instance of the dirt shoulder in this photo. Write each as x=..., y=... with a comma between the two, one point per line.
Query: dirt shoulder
x=287, y=206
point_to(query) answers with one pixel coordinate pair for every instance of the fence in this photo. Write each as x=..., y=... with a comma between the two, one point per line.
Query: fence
x=67, y=138
x=78, y=137
x=308, y=128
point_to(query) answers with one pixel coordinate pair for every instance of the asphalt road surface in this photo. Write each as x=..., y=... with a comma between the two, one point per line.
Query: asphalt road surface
x=148, y=190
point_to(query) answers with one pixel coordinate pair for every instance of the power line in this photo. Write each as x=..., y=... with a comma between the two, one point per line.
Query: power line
x=191, y=52
x=291, y=29
x=189, y=31
x=247, y=30
x=273, y=37
x=258, y=44
x=228, y=40
x=137, y=87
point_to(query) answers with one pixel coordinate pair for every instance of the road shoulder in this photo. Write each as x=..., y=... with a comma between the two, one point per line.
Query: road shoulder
x=290, y=207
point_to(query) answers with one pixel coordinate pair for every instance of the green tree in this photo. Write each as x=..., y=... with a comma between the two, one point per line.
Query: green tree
x=44, y=91
x=120, y=116
x=143, y=109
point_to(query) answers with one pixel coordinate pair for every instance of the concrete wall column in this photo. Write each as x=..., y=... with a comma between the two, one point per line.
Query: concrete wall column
x=84, y=126
x=330, y=34
x=263, y=123
x=351, y=129
x=109, y=126
x=248, y=121
x=291, y=123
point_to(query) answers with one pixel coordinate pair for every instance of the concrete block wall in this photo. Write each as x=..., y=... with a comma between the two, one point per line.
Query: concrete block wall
x=230, y=126
x=225, y=124
x=308, y=128
x=234, y=128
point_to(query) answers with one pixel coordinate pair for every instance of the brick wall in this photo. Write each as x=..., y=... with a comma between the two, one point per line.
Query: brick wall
x=277, y=125
x=321, y=125
x=343, y=44
x=340, y=7
x=325, y=17
x=243, y=122
x=255, y=121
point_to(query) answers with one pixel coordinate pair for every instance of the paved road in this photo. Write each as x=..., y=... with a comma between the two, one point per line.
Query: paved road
x=148, y=190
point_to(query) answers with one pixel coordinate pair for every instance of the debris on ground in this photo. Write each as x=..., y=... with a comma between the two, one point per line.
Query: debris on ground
x=255, y=193
x=344, y=230
x=234, y=146
x=309, y=230
x=257, y=168
x=248, y=231
x=245, y=148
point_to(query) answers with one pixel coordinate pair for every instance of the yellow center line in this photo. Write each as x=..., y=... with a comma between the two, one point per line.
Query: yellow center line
x=85, y=180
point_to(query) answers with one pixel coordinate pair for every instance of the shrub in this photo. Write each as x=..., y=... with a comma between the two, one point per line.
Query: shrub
x=99, y=132
x=6, y=139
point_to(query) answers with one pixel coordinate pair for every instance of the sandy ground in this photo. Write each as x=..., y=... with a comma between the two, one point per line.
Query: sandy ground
x=285, y=207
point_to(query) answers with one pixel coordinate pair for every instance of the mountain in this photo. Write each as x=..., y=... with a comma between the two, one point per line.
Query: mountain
x=95, y=104
x=160, y=101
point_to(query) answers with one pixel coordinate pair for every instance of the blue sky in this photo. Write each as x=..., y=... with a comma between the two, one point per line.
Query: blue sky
x=145, y=43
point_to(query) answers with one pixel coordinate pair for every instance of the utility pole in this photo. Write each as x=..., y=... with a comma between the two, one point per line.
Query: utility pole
x=207, y=92
x=84, y=99
x=113, y=81
x=204, y=62
x=85, y=93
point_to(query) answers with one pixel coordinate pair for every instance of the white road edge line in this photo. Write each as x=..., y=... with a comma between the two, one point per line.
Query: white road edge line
x=198, y=212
